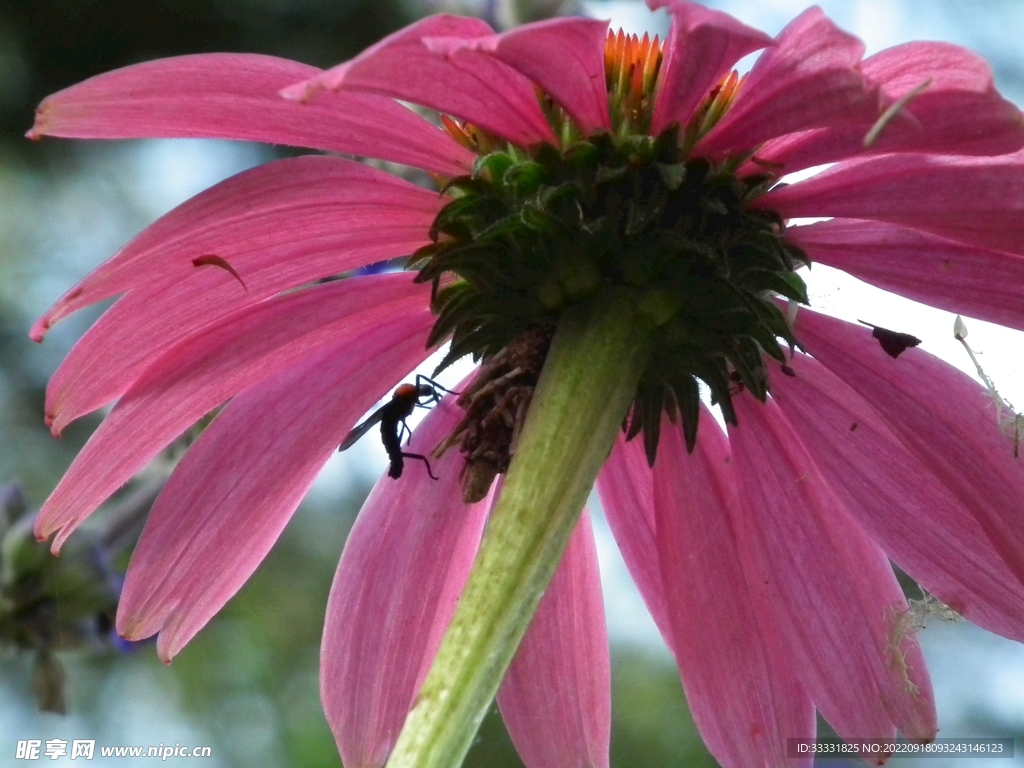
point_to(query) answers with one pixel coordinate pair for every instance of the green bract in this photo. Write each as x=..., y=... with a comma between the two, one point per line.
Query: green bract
x=529, y=234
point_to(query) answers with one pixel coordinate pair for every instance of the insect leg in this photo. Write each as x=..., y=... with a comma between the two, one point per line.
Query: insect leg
x=421, y=380
x=404, y=431
x=422, y=458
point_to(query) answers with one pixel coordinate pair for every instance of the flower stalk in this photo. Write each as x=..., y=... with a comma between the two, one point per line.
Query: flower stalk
x=589, y=380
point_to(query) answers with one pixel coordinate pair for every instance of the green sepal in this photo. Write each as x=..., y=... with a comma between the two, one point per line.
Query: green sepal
x=611, y=174
x=745, y=357
x=665, y=147
x=561, y=197
x=797, y=254
x=788, y=284
x=687, y=394
x=540, y=220
x=492, y=167
x=425, y=253
x=460, y=186
x=465, y=217
x=524, y=179
x=717, y=380
x=582, y=157
x=652, y=398
x=672, y=176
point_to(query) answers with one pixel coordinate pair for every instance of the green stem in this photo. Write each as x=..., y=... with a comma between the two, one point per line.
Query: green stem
x=589, y=379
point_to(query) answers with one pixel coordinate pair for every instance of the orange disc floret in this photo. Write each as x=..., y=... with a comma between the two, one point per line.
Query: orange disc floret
x=631, y=70
x=468, y=135
x=714, y=106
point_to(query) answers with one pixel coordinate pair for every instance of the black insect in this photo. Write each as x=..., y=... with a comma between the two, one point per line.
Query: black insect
x=893, y=342
x=392, y=416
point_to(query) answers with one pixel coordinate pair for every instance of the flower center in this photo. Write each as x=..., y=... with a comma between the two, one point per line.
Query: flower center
x=533, y=231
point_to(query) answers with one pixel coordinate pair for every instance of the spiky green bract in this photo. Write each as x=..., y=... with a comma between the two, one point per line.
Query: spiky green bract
x=584, y=391
x=530, y=234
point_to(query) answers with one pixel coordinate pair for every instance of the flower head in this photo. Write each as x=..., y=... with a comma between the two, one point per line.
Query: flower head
x=586, y=178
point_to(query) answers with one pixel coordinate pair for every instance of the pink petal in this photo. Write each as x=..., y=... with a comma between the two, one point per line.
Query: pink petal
x=565, y=57
x=404, y=566
x=907, y=510
x=269, y=206
x=959, y=112
x=960, y=278
x=466, y=84
x=626, y=489
x=556, y=696
x=811, y=78
x=703, y=45
x=146, y=322
x=740, y=682
x=942, y=416
x=973, y=200
x=835, y=598
x=307, y=244
x=949, y=67
x=205, y=370
x=238, y=485
x=235, y=96
x=733, y=731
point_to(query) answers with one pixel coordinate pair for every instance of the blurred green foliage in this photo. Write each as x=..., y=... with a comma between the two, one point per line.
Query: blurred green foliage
x=46, y=45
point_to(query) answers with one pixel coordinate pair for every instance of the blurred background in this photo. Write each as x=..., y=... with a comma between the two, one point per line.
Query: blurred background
x=247, y=685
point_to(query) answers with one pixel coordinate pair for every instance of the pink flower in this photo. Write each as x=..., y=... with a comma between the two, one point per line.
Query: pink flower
x=600, y=167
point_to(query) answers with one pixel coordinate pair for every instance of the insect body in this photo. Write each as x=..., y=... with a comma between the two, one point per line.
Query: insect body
x=893, y=343
x=392, y=415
